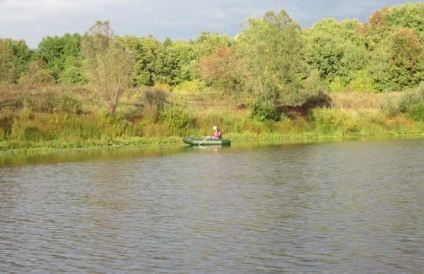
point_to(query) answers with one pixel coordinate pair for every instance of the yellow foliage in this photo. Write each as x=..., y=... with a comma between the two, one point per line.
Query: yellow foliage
x=163, y=87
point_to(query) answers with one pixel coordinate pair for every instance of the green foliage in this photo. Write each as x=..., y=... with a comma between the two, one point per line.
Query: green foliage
x=271, y=52
x=180, y=60
x=37, y=74
x=379, y=69
x=412, y=104
x=188, y=87
x=334, y=52
x=14, y=56
x=405, y=59
x=112, y=126
x=171, y=62
x=26, y=132
x=63, y=57
x=337, y=85
x=154, y=101
x=68, y=128
x=149, y=56
x=6, y=122
x=156, y=97
x=109, y=62
x=332, y=120
x=393, y=38
x=411, y=98
x=390, y=108
x=272, y=62
x=263, y=110
x=176, y=116
x=416, y=111
x=54, y=102
x=73, y=73
x=219, y=69
x=208, y=42
x=6, y=65
x=362, y=82
x=409, y=15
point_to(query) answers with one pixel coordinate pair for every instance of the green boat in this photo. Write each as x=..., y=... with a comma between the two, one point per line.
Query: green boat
x=206, y=142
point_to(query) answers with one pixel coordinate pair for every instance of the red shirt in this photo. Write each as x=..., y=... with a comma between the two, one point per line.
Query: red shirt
x=216, y=134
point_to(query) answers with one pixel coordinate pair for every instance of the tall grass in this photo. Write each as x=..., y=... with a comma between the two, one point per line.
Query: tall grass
x=61, y=116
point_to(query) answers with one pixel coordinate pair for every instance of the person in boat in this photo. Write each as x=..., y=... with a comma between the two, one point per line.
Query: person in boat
x=216, y=133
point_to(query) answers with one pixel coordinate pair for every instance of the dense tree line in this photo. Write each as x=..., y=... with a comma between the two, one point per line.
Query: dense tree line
x=272, y=60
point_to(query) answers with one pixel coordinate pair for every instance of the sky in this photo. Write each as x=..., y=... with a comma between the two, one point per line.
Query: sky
x=33, y=20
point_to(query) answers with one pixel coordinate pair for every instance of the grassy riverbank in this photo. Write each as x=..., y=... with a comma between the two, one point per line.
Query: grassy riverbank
x=61, y=117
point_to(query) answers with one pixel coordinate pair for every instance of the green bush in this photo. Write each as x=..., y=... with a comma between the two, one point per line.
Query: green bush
x=6, y=122
x=263, y=110
x=51, y=102
x=407, y=100
x=416, y=111
x=176, y=116
x=331, y=120
x=26, y=132
x=113, y=126
x=154, y=101
x=411, y=98
x=337, y=85
x=389, y=108
x=362, y=83
x=190, y=87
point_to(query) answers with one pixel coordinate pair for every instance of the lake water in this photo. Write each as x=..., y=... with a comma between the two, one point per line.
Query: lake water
x=342, y=207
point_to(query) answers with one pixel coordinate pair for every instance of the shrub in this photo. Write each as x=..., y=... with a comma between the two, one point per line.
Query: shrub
x=152, y=103
x=411, y=98
x=362, y=83
x=162, y=87
x=263, y=110
x=190, y=86
x=155, y=97
x=113, y=125
x=26, y=132
x=50, y=102
x=176, y=116
x=389, y=108
x=6, y=122
x=337, y=85
x=407, y=100
x=330, y=120
x=416, y=111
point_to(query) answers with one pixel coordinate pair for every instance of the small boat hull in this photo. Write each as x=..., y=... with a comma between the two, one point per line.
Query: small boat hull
x=209, y=142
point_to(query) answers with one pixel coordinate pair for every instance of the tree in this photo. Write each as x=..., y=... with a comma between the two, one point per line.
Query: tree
x=38, y=73
x=393, y=38
x=271, y=55
x=334, y=53
x=109, y=63
x=63, y=57
x=14, y=58
x=405, y=63
x=409, y=15
x=208, y=42
x=7, y=68
x=218, y=69
x=179, y=62
x=149, y=66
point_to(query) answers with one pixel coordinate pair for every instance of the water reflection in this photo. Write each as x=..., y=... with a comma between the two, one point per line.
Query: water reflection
x=79, y=155
x=352, y=207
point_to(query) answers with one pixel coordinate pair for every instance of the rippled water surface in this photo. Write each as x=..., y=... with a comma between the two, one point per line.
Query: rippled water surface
x=348, y=207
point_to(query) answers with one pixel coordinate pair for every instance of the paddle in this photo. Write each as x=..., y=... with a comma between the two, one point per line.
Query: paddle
x=203, y=140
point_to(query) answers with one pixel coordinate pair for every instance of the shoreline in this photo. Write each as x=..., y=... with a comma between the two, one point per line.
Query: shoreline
x=237, y=139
